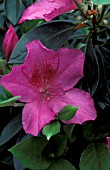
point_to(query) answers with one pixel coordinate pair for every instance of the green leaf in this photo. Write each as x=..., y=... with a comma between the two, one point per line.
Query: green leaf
x=95, y=156
x=59, y=142
x=67, y=112
x=12, y=128
x=2, y=21
x=4, y=66
x=29, y=153
x=88, y=131
x=51, y=129
x=3, y=95
x=29, y=24
x=91, y=69
x=53, y=35
x=101, y=2
x=61, y=164
x=9, y=102
x=68, y=129
x=13, y=10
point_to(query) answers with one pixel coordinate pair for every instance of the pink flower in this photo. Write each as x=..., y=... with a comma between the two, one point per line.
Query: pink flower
x=9, y=42
x=45, y=82
x=48, y=9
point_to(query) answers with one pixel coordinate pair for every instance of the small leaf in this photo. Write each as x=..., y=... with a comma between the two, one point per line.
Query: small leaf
x=67, y=112
x=29, y=153
x=61, y=164
x=9, y=102
x=95, y=157
x=51, y=129
x=101, y=2
x=13, y=127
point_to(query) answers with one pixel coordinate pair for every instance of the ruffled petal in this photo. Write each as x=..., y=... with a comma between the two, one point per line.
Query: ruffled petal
x=35, y=116
x=78, y=98
x=47, y=9
x=70, y=69
x=19, y=85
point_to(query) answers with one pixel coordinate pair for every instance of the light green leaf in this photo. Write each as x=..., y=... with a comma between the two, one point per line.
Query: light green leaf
x=9, y=102
x=67, y=112
x=100, y=2
x=51, y=129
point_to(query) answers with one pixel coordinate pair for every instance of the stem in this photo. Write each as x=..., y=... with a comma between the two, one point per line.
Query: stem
x=102, y=14
x=79, y=7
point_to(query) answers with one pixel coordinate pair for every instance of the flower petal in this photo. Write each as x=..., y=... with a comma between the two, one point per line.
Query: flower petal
x=78, y=98
x=19, y=85
x=41, y=64
x=47, y=9
x=70, y=70
x=35, y=116
x=9, y=42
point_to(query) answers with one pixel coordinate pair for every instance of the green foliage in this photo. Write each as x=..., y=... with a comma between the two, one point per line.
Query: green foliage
x=13, y=10
x=61, y=164
x=51, y=129
x=12, y=128
x=60, y=143
x=101, y=2
x=95, y=156
x=9, y=102
x=68, y=129
x=67, y=113
x=30, y=153
x=53, y=35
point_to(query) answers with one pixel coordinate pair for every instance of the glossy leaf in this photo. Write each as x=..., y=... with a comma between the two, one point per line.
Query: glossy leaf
x=51, y=129
x=88, y=131
x=100, y=2
x=67, y=112
x=12, y=128
x=95, y=156
x=29, y=153
x=9, y=102
x=91, y=69
x=60, y=142
x=68, y=129
x=61, y=164
x=13, y=10
x=53, y=35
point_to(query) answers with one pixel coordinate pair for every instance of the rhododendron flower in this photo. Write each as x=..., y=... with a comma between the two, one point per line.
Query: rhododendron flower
x=9, y=42
x=45, y=82
x=48, y=9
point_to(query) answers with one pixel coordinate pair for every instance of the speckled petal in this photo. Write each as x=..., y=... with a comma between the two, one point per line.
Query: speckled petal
x=19, y=85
